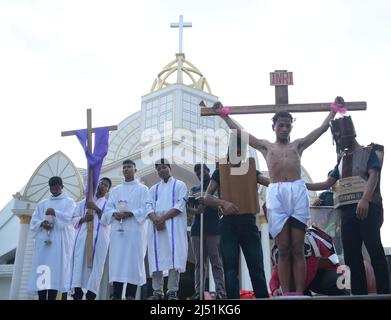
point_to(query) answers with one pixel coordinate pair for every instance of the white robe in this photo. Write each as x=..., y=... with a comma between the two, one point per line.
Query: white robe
x=82, y=275
x=51, y=263
x=127, y=249
x=167, y=249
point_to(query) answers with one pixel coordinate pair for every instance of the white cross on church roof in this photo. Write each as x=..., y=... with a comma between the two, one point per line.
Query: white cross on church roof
x=180, y=25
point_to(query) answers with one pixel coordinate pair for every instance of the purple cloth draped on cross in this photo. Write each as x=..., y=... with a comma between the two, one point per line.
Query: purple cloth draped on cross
x=95, y=159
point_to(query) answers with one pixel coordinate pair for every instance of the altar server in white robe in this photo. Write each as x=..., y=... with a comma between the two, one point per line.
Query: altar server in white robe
x=82, y=275
x=128, y=208
x=52, y=230
x=167, y=234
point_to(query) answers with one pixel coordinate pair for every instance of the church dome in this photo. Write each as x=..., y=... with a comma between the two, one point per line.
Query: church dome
x=181, y=71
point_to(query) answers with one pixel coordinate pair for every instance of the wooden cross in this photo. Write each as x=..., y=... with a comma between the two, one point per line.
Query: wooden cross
x=281, y=79
x=90, y=224
x=180, y=25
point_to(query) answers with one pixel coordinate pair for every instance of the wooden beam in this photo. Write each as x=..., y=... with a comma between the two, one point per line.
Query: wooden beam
x=273, y=108
x=73, y=132
x=90, y=224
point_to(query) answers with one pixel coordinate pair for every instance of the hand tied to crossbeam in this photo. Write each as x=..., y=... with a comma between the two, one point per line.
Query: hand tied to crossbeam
x=338, y=105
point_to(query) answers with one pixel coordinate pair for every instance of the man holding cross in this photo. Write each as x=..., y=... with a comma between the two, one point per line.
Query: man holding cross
x=287, y=200
x=82, y=275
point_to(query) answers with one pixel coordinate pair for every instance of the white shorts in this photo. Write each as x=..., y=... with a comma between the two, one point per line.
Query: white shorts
x=284, y=200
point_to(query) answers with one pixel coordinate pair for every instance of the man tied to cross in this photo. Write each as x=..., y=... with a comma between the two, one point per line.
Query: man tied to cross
x=287, y=200
x=286, y=222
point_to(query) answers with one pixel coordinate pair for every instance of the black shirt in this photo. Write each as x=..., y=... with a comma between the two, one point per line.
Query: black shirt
x=327, y=198
x=211, y=218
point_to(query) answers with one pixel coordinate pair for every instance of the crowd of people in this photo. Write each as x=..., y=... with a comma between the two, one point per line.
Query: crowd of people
x=136, y=223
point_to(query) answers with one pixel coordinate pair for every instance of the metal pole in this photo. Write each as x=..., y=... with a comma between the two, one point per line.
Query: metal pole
x=202, y=220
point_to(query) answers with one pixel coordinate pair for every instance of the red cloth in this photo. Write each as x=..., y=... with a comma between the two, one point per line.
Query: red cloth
x=247, y=294
x=313, y=264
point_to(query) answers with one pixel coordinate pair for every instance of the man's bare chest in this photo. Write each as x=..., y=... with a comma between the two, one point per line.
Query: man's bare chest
x=276, y=153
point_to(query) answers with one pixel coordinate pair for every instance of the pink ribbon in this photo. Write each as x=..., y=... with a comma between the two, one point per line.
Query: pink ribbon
x=225, y=111
x=341, y=109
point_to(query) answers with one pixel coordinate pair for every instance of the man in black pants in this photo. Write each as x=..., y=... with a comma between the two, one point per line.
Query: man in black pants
x=238, y=231
x=362, y=215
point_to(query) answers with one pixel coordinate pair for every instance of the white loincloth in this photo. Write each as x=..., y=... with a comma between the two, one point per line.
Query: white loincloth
x=284, y=200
